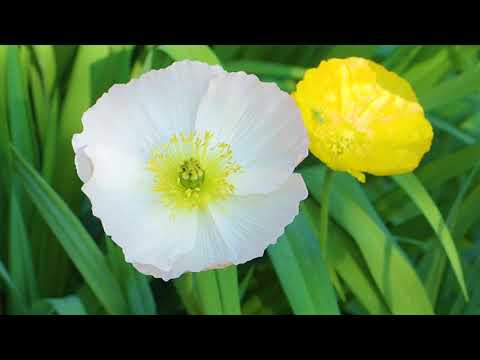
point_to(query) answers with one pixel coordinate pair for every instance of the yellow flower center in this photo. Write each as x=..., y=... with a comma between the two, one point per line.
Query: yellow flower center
x=340, y=142
x=192, y=170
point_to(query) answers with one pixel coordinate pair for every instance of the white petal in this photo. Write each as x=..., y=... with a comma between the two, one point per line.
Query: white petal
x=249, y=224
x=173, y=94
x=120, y=131
x=261, y=123
x=120, y=190
x=83, y=164
x=209, y=251
x=237, y=230
x=145, y=112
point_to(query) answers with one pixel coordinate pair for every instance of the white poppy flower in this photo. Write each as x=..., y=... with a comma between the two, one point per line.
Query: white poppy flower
x=191, y=168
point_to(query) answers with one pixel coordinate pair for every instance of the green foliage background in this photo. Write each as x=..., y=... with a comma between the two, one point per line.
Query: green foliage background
x=406, y=244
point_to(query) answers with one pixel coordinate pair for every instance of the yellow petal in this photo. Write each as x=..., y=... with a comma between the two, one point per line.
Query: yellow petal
x=362, y=118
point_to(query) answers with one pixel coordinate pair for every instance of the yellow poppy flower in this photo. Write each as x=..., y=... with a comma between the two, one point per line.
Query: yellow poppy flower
x=362, y=118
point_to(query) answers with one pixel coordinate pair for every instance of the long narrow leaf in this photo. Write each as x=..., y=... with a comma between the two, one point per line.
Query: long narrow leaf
x=80, y=247
x=301, y=268
x=69, y=305
x=419, y=195
x=393, y=273
x=191, y=52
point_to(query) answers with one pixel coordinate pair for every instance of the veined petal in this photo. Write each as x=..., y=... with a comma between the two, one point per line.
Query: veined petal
x=237, y=230
x=145, y=112
x=112, y=152
x=120, y=192
x=263, y=126
x=249, y=224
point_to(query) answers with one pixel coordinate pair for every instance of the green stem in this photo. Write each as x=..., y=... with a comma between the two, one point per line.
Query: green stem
x=327, y=187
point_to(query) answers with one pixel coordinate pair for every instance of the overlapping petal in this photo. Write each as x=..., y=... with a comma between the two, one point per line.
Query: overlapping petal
x=362, y=118
x=261, y=125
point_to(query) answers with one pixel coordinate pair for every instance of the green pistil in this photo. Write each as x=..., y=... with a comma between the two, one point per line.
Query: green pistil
x=191, y=174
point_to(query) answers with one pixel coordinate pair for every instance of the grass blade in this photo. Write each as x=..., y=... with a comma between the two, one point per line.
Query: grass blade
x=264, y=68
x=468, y=213
x=452, y=90
x=393, y=273
x=349, y=264
x=419, y=195
x=206, y=286
x=45, y=55
x=73, y=237
x=20, y=260
x=300, y=266
x=5, y=174
x=69, y=305
x=135, y=285
x=191, y=52
x=77, y=99
x=433, y=174
x=242, y=288
x=229, y=293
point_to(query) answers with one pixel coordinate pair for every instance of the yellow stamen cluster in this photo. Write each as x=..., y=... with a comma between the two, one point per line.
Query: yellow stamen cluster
x=191, y=170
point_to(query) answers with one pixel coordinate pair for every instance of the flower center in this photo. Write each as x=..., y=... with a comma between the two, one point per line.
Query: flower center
x=191, y=174
x=339, y=143
x=192, y=170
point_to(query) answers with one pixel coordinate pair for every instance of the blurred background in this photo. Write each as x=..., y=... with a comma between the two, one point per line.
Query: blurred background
x=395, y=247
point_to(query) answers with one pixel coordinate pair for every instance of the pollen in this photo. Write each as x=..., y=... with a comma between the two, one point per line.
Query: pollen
x=191, y=174
x=340, y=142
x=192, y=170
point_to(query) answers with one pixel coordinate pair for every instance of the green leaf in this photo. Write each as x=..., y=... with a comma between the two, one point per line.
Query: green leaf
x=227, y=279
x=64, y=59
x=5, y=174
x=431, y=175
x=20, y=259
x=402, y=58
x=135, y=285
x=300, y=266
x=77, y=99
x=452, y=130
x=393, y=273
x=242, y=288
x=191, y=52
x=451, y=90
x=185, y=289
x=264, y=68
x=73, y=237
x=419, y=195
x=7, y=280
x=424, y=75
x=349, y=264
x=20, y=256
x=227, y=52
x=473, y=306
x=45, y=55
x=49, y=146
x=49, y=256
x=40, y=104
x=18, y=106
x=343, y=51
x=68, y=305
x=206, y=286
x=468, y=213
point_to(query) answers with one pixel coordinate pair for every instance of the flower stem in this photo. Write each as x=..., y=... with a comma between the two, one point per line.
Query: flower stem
x=326, y=188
